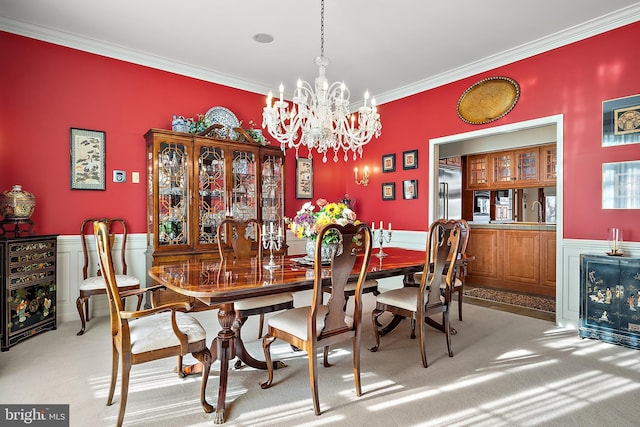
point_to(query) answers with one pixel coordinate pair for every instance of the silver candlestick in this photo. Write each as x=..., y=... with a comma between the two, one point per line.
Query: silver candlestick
x=271, y=241
x=381, y=239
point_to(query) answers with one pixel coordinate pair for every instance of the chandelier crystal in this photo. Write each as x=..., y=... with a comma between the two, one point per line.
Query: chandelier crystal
x=319, y=116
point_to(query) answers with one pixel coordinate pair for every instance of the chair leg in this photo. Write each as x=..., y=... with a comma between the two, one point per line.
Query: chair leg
x=266, y=343
x=460, y=303
x=124, y=388
x=80, y=303
x=179, y=369
x=447, y=331
x=115, y=357
x=205, y=358
x=313, y=379
x=376, y=331
x=325, y=357
x=356, y=364
x=413, y=328
x=422, y=342
x=261, y=325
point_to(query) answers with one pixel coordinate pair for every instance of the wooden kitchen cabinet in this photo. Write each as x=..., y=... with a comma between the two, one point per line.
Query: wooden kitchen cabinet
x=195, y=182
x=478, y=171
x=548, y=165
x=519, y=168
x=521, y=260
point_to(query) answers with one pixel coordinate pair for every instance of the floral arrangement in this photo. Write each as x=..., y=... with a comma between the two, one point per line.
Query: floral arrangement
x=199, y=125
x=308, y=222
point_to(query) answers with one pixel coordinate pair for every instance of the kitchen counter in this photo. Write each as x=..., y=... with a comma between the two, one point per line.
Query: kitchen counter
x=539, y=226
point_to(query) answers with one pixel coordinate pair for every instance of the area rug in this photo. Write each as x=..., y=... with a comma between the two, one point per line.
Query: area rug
x=513, y=298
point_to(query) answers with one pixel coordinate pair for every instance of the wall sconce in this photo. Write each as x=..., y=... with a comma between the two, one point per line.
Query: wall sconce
x=365, y=180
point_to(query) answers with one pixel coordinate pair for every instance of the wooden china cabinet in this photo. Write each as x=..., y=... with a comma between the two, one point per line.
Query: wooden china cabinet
x=194, y=182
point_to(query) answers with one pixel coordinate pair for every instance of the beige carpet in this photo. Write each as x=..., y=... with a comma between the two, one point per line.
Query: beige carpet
x=508, y=370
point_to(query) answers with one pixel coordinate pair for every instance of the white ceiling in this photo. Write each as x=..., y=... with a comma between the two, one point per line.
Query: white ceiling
x=393, y=48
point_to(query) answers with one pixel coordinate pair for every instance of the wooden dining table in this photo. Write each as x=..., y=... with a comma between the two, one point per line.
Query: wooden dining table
x=218, y=283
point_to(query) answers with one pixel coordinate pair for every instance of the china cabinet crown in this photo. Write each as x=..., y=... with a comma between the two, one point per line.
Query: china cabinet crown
x=195, y=182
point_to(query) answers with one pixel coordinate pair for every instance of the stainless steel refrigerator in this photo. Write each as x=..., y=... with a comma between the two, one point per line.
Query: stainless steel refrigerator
x=450, y=191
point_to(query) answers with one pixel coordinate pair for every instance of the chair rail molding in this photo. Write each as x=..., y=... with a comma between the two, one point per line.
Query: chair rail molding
x=567, y=282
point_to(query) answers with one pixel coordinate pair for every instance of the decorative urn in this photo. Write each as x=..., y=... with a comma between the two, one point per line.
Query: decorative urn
x=16, y=204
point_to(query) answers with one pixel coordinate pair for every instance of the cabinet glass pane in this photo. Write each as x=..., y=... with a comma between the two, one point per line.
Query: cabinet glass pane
x=550, y=171
x=212, y=200
x=272, y=194
x=502, y=168
x=172, y=194
x=243, y=193
x=478, y=170
x=527, y=166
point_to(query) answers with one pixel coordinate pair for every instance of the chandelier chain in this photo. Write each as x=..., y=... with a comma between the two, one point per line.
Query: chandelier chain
x=322, y=28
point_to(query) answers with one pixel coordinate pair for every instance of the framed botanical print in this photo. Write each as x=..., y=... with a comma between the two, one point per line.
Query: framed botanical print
x=304, y=179
x=389, y=163
x=388, y=191
x=87, y=159
x=410, y=159
x=410, y=189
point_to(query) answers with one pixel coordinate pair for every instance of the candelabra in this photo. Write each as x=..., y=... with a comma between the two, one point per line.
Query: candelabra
x=271, y=241
x=381, y=239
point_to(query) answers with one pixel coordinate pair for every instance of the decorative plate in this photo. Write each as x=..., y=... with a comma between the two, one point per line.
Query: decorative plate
x=223, y=116
x=488, y=100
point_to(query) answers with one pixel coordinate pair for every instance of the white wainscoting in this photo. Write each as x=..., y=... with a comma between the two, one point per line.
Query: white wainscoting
x=70, y=262
x=567, y=277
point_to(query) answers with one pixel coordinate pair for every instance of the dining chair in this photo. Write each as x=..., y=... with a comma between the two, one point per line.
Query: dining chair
x=461, y=271
x=320, y=325
x=151, y=334
x=433, y=296
x=93, y=282
x=243, y=240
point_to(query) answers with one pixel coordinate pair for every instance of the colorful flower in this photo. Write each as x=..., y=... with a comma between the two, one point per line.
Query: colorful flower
x=307, y=222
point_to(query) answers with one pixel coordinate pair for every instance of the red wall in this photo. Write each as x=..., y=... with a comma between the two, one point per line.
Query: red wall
x=47, y=89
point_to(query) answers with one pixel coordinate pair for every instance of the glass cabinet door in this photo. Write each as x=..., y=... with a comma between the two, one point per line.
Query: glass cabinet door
x=272, y=190
x=173, y=195
x=212, y=201
x=243, y=190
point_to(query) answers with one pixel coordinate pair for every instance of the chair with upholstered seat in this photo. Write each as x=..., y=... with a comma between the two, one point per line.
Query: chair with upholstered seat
x=242, y=240
x=322, y=325
x=433, y=296
x=461, y=271
x=143, y=336
x=93, y=281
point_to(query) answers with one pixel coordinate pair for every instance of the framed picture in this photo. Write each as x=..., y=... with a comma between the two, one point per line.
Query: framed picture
x=87, y=159
x=389, y=163
x=304, y=179
x=410, y=189
x=410, y=159
x=621, y=121
x=388, y=191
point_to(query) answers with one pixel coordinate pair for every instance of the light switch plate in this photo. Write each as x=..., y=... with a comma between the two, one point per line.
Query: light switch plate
x=119, y=176
x=135, y=177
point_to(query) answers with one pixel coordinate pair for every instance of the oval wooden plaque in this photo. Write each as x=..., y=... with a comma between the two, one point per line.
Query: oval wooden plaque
x=488, y=100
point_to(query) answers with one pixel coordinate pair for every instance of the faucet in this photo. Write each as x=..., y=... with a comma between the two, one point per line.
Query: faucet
x=533, y=206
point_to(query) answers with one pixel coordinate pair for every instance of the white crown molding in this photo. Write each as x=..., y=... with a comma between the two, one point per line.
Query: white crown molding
x=585, y=30
x=579, y=32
